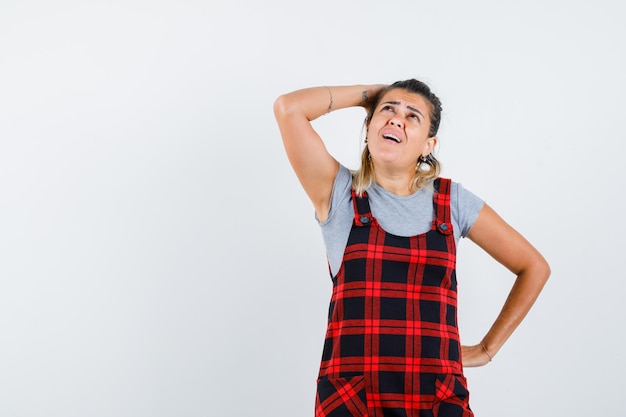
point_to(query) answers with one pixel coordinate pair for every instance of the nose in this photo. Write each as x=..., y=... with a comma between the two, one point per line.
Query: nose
x=395, y=121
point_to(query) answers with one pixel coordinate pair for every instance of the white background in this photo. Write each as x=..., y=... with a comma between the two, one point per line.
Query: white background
x=159, y=258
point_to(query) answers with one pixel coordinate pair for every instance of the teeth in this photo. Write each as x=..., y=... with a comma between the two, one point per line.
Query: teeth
x=392, y=137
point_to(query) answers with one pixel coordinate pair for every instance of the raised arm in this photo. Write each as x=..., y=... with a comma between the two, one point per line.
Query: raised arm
x=314, y=166
x=513, y=251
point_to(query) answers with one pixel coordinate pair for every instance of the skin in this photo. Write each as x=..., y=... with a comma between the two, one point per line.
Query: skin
x=406, y=116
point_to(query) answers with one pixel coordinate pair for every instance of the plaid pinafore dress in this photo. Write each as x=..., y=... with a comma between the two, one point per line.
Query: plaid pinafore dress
x=392, y=344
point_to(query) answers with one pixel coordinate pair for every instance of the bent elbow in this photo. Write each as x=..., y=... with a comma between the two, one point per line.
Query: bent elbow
x=547, y=269
x=535, y=267
x=542, y=269
x=282, y=106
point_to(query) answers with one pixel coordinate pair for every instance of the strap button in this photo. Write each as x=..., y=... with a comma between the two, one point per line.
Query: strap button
x=364, y=219
x=443, y=227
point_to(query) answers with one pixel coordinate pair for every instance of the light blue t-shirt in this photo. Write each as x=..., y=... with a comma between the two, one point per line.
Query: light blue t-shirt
x=399, y=215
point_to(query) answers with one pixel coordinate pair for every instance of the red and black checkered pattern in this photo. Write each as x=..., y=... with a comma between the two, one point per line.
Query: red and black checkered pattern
x=392, y=345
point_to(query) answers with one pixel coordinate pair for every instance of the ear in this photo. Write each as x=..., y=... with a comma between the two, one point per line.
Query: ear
x=430, y=145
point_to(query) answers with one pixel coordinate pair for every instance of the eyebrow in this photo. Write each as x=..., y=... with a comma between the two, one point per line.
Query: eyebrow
x=397, y=103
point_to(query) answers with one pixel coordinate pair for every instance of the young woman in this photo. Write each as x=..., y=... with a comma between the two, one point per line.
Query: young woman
x=391, y=228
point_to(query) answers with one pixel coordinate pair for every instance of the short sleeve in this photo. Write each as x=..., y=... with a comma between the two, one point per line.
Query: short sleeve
x=341, y=191
x=465, y=207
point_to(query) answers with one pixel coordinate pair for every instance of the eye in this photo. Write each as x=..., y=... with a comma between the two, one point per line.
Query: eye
x=387, y=107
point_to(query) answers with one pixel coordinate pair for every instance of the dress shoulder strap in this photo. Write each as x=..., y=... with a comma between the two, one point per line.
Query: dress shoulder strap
x=441, y=201
x=362, y=211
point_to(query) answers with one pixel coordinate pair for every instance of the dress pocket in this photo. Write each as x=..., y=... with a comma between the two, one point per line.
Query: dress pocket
x=341, y=397
x=451, y=396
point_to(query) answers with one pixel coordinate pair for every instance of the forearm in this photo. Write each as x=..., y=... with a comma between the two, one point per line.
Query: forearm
x=523, y=295
x=514, y=252
x=314, y=102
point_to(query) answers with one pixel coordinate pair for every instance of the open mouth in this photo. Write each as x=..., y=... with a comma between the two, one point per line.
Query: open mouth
x=389, y=136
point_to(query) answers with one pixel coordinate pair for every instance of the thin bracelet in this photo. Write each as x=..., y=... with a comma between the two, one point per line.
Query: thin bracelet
x=486, y=351
x=330, y=105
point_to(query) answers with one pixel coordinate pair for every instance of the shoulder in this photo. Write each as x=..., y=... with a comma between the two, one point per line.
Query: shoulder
x=341, y=193
x=342, y=187
x=344, y=175
x=465, y=206
x=462, y=194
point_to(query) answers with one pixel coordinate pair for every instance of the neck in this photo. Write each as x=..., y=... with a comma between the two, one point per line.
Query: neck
x=398, y=183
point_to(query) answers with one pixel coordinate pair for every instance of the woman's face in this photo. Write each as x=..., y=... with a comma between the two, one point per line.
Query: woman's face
x=397, y=134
